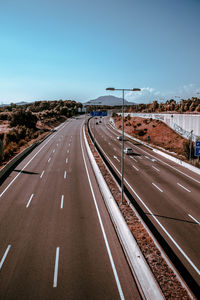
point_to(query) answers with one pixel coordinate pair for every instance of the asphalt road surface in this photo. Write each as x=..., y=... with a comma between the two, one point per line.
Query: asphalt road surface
x=168, y=193
x=56, y=238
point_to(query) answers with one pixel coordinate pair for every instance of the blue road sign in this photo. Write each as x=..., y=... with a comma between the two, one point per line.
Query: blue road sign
x=197, y=148
x=98, y=113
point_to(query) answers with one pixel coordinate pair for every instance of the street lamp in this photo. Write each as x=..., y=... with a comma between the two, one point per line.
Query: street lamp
x=122, y=152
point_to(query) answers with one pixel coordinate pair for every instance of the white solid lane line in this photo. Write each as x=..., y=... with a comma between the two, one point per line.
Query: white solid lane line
x=184, y=187
x=135, y=168
x=156, y=169
x=55, y=279
x=65, y=175
x=49, y=159
x=157, y=187
x=4, y=256
x=42, y=174
x=193, y=219
x=61, y=203
x=102, y=227
x=29, y=201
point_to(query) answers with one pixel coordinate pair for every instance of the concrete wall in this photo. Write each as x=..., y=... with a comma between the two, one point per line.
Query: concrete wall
x=181, y=123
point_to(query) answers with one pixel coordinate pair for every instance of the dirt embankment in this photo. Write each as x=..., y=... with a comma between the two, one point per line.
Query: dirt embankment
x=155, y=132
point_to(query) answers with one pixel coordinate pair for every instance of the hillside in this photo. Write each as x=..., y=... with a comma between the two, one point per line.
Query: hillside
x=108, y=101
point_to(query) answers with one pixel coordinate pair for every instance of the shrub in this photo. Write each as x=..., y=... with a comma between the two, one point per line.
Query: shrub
x=141, y=133
x=4, y=116
x=25, y=118
x=10, y=150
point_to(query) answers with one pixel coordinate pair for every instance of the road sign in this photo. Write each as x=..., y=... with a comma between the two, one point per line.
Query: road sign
x=197, y=148
x=97, y=113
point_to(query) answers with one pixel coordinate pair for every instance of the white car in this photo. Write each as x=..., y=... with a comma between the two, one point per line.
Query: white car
x=128, y=150
x=119, y=138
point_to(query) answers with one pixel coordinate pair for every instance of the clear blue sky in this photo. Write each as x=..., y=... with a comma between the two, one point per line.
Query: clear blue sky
x=74, y=49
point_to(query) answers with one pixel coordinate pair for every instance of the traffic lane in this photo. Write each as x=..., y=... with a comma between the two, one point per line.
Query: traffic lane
x=26, y=184
x=167, y=206
x=37, y=235
x=49, y=216
x=147, y=170
x=167, y=182
x=165, y=163
x=172, y=168
x=22, y=194
x=180, y=180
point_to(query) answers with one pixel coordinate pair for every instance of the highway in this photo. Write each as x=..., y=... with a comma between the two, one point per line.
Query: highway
x=168, y=193
x=56, y=237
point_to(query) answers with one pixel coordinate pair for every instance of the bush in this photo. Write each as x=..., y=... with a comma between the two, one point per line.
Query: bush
x=10, y=150
x=25, y=118
x=4, y=116
x=141, y=133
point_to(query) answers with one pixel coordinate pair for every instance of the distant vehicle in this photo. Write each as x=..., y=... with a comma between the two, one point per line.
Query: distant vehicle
x=100, y=121
x=119, y=138
x=97, y=123
x=128, y=151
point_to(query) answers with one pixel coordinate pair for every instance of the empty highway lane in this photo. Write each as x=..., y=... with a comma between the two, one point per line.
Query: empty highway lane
x=168, y=193
x=56, y=238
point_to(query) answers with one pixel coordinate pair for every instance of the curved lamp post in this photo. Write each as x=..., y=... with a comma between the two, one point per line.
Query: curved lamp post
x=122, y=152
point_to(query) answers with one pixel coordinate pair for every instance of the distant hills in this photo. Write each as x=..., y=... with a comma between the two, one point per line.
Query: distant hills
x=18, y=103
x=108, y=101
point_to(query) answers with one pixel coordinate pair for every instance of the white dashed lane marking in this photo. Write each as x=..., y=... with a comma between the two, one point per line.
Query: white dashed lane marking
x=4, y=256
x=29, y=201
x=42, y=174
x=157, y=187
x=184, y=187
x=193, y=219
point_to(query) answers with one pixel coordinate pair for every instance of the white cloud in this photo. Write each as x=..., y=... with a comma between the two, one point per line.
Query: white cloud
x=146, y=95
x=149, y=94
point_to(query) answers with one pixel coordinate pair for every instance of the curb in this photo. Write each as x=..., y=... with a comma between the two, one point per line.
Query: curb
x=136, y=260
